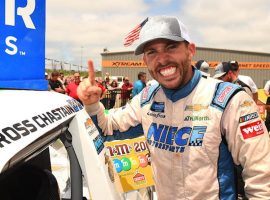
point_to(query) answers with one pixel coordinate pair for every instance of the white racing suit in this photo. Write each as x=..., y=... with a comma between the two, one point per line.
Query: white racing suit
x=194, y=135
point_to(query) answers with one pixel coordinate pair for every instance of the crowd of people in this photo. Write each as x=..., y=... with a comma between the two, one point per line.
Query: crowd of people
x=114, y=94
x=230, y=72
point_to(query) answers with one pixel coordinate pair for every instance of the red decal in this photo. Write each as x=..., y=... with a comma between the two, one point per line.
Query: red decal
x=145, y=93
x=251, y=130
x=139, y=178
x=224, y=94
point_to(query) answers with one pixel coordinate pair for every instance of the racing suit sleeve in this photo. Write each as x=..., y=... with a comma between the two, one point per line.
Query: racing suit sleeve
x=248, y=142
x=121, y=119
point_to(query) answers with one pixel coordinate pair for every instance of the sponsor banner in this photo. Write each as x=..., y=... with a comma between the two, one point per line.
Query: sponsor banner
x=252, y=129
x=212, y=64
x=22, y=44
x=131, y=160
x=243, y=65
x=123, y=63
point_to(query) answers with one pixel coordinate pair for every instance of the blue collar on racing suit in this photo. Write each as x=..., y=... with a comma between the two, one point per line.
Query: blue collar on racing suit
x=175, y=95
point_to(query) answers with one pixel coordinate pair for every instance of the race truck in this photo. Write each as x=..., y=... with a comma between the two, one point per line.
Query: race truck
x=30, y=122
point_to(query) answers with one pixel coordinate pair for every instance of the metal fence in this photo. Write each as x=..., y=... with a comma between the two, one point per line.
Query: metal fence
x=62, y=65
x=115, y=98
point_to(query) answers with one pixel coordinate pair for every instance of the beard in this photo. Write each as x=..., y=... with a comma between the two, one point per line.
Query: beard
x=183, y=68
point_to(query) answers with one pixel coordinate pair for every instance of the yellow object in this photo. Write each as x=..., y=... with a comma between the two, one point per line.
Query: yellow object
x=131, y=162
x=261, y=96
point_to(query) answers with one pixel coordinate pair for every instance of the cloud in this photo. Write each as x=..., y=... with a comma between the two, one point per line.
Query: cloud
x=78, y=30
x=232, y=24
x=83, y=28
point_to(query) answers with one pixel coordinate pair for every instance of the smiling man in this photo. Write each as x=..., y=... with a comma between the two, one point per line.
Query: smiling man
x=196, y=127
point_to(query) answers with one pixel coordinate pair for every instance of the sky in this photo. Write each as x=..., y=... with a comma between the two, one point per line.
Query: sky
x=78, y=30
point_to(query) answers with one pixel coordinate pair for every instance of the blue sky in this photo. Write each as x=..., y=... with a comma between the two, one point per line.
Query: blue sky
x=80, y=30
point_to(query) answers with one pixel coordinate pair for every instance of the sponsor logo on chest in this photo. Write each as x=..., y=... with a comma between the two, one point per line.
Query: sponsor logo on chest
x=196, y=118
x=157, y=110
x=175, y=139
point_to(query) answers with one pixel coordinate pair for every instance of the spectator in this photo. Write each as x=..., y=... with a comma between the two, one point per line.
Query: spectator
x=100, y=84
x=113, y=92
x=46, y=77
x=248, y=80
x=55, y=84
x=106, y=97
x=71, y=88
x=68, y=80
x=203, y=66
x=267, y=93
x=107, y=75
x=139, y=84
x=126, y=91
x=61, y=79
x=107, y=82
x=196, y=127
x=228, y=72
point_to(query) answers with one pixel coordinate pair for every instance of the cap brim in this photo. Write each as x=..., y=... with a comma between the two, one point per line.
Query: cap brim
x=219, y=75
x=139, y=49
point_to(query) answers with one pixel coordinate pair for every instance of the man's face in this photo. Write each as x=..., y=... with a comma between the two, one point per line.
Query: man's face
x=126, y=81
x=77, y=77
x=54, y=77
x=143, y=78
x=229, y=77
x=169, y=62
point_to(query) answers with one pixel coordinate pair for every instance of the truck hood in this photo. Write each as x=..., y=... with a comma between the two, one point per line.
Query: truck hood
x=27, y=118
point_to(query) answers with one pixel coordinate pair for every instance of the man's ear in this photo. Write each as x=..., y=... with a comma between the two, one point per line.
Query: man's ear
x=191, y=49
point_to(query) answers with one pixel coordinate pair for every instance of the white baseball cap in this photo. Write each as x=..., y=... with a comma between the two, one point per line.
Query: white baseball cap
x=221, y=69
x=202, y=65
x=165, y=27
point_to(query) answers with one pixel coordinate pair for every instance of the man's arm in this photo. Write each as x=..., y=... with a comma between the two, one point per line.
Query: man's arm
x=127, y=119
x=248, y=142
x=60, y=90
